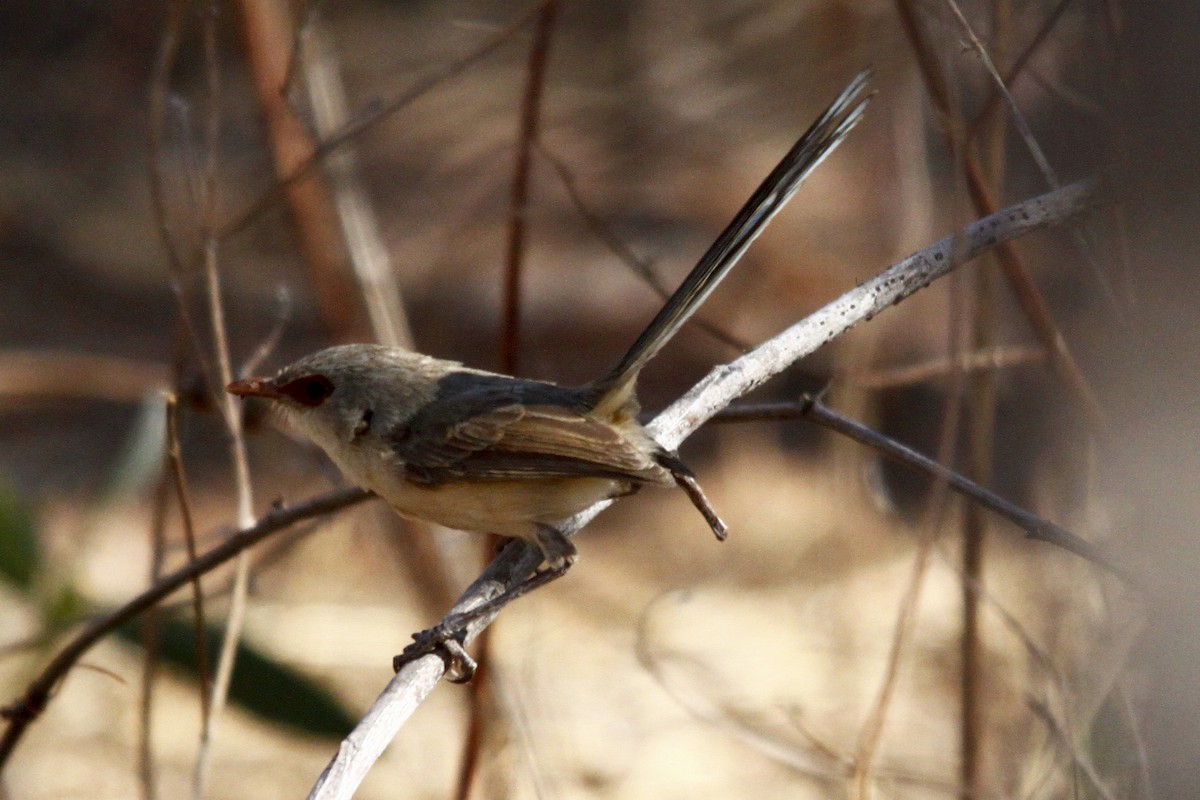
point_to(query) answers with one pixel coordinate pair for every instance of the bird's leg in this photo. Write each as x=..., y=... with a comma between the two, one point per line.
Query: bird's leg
x=686, y=480
x=446, y=638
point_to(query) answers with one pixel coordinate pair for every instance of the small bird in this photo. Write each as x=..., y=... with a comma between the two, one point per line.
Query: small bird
x=480, y=451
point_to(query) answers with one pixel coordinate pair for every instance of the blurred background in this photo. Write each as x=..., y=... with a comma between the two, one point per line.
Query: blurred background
x=861, y=634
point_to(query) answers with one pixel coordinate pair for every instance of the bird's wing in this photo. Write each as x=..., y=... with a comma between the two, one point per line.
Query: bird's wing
x=514, y=441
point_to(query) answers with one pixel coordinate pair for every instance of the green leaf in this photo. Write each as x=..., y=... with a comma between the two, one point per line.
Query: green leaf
x=260, y=684
x=20, y=555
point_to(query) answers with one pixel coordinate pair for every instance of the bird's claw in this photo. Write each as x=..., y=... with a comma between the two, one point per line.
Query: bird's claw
x=447, y=645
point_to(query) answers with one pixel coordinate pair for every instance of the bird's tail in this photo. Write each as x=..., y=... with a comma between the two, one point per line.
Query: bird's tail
x=612, y=390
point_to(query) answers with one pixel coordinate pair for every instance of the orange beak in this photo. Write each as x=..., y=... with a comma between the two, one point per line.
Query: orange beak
x=254, y=387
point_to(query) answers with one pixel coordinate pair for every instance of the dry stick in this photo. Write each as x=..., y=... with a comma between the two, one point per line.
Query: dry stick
x=308, y=11
x=981, y=422
x=53, y=373
x=414, y=682
x=1018, y=67
x=1078, y=758
x=148, y=632
x=33, y=702
x=231, y=410
x=993, y=358
x=1035, y=527
x=1000, y=90
x=372, y=115
x=360, y=228
x=531, y=104
x=184, y=497
x=168, y=52
x=1019, y=120
x=267, y=32
x=510, y=347
x=1028, y=296
x=641, y=267
x=871, y=731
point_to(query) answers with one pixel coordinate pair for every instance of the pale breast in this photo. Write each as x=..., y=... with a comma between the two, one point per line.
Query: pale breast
x=510, y=508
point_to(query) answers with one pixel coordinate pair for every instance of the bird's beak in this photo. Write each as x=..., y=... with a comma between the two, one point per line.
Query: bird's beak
x=254, y=387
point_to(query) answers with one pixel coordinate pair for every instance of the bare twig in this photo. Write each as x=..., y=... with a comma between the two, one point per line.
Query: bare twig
x=373, y=115
x=360, y=229
x=531, y=105
x=148, y=631
x=33, y=702
x=267, y=31
x=230, y=409
x=1019, y=120
x=518, y=560
x=640, y=266
x=1030, y=299
x=872, y=728
x=1035, y=527
x=54, y=373
x=182, y=493
x=994, y=358
x=1078, y=758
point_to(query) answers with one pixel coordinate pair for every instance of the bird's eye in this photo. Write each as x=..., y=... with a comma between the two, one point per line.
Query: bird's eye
x=311, y=390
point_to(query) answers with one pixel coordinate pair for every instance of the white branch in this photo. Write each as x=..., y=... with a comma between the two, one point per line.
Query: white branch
x=409, y=688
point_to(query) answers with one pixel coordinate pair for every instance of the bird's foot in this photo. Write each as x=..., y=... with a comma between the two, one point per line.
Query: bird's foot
x=446, y=642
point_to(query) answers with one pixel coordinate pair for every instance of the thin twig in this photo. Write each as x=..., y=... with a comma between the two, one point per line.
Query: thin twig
x=531, y=104
x=266, y=31
x=980, y=439
x=372, y=115
x=640, y=266
x=148, y=632
x=183, y=495
x=1078, y=757
x=930, y=524
x=58, y=373
x=518, y=560
x=1030, y=299
x=1031, y=143
x=1019, y=64
x=369, y=257
x=230, y=409
x=993, y=358
x=33, y=702
x=1035, y=527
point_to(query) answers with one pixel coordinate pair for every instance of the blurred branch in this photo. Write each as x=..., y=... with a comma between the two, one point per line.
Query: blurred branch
x=369, y=256
x=640, y=266
x=1028, y=296
x=184, y=498
x=267, y=32
x=227, y=403
x=518, y=560
x=813, y=410
x=33, y=702
x=58, y=373
x=375, y=113
x=992, y=358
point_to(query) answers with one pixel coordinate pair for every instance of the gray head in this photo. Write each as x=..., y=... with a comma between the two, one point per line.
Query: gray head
x=338, y=395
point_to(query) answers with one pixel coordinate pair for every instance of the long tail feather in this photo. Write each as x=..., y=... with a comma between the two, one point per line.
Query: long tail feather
x=810, y=150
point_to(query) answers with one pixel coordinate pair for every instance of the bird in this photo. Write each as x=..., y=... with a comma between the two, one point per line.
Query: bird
x=486, y=452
